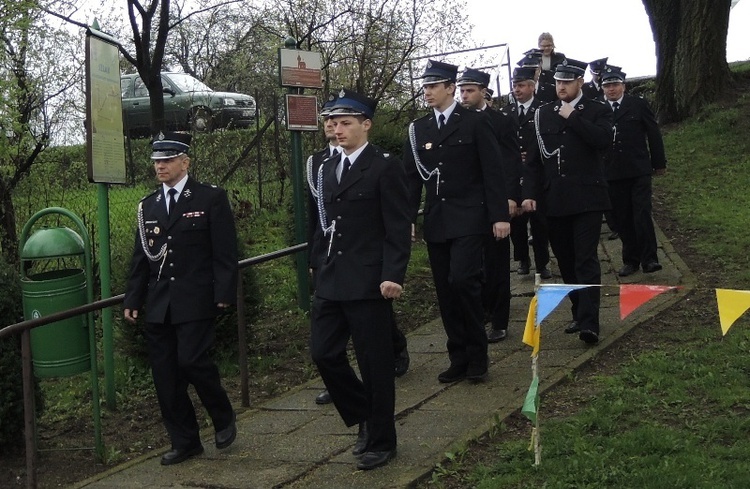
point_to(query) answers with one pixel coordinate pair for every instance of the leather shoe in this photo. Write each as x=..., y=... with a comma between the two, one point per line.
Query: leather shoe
x=453, y=374
x=626, y=270
x=373, y=460
x=362, y=437
x=523, y=267
x=402, y=363
x=476, y=372
x=573, y=327
x=226, y=437
x=652, y=267
x=323, y=398
x=545, y=273
x=177, y=455
x=615, y=235
x=589, y=337
x=495, y=335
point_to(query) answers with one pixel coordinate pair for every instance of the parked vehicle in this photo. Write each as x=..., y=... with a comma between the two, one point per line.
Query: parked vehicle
x=189, y=105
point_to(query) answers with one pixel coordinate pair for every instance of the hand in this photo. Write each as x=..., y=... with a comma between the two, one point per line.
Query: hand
x=512, y=208
x=529, y=205
x=391, y=290
x=131, y=315
x=565, y=110
x=501, y=230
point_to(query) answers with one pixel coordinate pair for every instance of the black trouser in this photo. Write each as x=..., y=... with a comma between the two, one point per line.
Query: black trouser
x=520, y=238
x=372, y=399
x=631, y=206
x=496, y=290
x=575, y=240
x=457, y=272
x=178, y=354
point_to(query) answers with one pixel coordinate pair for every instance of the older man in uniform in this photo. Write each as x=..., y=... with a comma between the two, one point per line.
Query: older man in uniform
x=453, y=153
x=184, y=268
x=593, y=88
x=496, y=292
x=522, y=113
x=637, y=154
x=544, y=92
x=566, y=180
x=363, y=212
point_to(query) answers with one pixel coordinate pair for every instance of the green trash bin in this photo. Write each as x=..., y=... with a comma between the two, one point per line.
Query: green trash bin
x=60, y=349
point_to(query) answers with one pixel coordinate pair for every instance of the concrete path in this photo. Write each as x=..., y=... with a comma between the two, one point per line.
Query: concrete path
x=291, y=442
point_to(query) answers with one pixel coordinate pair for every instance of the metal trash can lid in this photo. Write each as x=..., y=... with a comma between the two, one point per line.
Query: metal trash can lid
x=52, y=243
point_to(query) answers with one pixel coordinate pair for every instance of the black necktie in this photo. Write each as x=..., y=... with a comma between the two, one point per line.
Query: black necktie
x=615, y=106
x=334, y=153
x=441, y=122
x=520, y=111
x=172, y=202
x=345, y=169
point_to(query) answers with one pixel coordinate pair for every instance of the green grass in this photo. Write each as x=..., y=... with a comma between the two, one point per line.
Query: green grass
x=674, y=413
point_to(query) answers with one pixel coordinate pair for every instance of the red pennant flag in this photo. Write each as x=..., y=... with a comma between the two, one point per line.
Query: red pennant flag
x=634, y=296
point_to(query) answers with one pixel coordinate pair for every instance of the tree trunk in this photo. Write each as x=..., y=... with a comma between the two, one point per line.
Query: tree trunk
x=691, y=54
x=8, y=235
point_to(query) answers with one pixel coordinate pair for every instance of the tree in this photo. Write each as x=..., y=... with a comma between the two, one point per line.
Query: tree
x=691, y=53
x=35, y=96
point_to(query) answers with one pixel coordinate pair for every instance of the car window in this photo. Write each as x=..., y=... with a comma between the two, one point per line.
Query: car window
x=125, y=87
x=187, y=83
x=140, y=88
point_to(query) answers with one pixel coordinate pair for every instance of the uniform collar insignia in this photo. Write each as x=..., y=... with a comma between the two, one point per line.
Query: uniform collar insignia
x=187, y=192
x=579, y=107
x=158, y=197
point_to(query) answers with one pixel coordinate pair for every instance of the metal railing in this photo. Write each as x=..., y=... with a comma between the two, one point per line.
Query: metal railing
x=24, y=328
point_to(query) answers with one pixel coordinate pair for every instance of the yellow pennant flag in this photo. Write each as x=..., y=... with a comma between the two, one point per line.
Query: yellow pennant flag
x=732, y=304
x=531, y=334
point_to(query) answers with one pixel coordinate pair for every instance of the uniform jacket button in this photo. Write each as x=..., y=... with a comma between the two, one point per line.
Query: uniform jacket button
x=339, y=253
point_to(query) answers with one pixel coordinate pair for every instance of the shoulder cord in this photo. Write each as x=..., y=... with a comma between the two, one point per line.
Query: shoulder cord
x=315, y=190
x=421, y=169
x=310, y=181
x=162, y=254
x=542, y=147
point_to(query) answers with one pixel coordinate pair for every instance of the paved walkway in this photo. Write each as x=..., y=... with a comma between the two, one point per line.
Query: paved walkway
x=290, y=442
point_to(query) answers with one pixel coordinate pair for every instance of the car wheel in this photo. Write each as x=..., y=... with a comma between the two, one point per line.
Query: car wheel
x=201, y=120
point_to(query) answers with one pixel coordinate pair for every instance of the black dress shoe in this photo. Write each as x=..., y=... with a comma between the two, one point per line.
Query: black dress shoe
x=453, y=374
x=615, y=235
x=626, y=270
x=323, y=398
x=652, y=267
x=545, y=273
x=573, y=327
x=476, y=372
x=226, y=437
x=373, y=460
x=362, y=437
x=402, y=363
x=523, y=267
x=495, y=335
x=177, y=455
x=589, y=337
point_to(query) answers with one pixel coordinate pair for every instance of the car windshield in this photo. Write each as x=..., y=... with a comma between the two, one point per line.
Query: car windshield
x=187, y=83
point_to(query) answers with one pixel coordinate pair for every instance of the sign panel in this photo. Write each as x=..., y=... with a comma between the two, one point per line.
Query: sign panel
x=105, y=143
x=300, y=69
x=301, y=112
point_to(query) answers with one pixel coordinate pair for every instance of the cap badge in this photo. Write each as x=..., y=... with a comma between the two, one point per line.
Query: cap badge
x=160, y=137
x=342, y=93
x=429, y=64
x=564, y=62
x=331, y=97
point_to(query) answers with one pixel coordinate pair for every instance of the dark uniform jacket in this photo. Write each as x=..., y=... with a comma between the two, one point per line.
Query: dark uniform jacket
x=590, y=90
x=372, y=240
x=574, y=182
x=471, y=195
x=635, y=125
x=526, y=134
x=314, y=233
x=506, y=132
x=199, y=268
x=545, y=90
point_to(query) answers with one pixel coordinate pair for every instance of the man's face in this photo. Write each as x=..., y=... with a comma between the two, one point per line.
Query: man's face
x=439, y=95
x=567, y=90
x=351, y=131
x=613, y=91
x=170, y=171
x=547, y=47
x=330, y=133
x=523, y=90
x=472, y=96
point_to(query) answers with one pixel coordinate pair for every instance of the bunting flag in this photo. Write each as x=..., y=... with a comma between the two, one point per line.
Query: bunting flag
x=532, y=332
x=531, y=404
x=550, y=297
x=732, y=304
x=634, y=296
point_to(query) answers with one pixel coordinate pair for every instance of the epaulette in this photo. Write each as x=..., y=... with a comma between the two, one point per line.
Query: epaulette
x=156, y=190
x=597, y=101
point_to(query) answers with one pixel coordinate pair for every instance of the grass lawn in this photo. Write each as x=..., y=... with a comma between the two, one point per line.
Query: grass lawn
x=669, y=405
